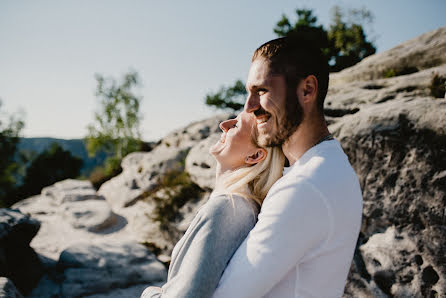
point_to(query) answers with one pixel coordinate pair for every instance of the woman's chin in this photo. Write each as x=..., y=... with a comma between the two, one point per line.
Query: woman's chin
x=216, y=149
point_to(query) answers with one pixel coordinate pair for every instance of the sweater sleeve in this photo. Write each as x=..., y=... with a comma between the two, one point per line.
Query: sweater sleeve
x=293, y=221
x=215, y=234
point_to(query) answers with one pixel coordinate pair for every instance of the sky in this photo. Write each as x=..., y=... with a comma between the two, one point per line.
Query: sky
x=50, y=52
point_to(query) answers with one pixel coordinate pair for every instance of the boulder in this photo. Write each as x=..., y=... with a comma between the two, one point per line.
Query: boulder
x=94, y=269
x=395, y=147
x=201, y=165
x=92, y=215
x=8, y=289
x=425, y=51
x=397, y=266
x=70, y=190
x=18, y=261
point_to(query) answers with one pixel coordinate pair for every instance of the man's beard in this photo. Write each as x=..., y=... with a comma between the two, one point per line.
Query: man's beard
x=287, y=125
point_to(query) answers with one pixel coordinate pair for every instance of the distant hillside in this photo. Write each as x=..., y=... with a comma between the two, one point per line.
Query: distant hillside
x=75, y=146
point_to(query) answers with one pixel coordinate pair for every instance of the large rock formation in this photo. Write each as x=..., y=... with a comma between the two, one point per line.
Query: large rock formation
x=18, y=261
x=423, y=52
x=394, y=132
x=8, y=289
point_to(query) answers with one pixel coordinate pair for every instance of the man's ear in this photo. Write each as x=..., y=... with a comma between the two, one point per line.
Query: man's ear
x=258, y=156
x=307, y=89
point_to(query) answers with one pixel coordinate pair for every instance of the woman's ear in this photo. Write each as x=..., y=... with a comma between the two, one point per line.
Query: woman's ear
x=258, y=156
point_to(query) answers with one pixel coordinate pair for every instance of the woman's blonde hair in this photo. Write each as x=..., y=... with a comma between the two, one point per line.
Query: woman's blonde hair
x=254, y=181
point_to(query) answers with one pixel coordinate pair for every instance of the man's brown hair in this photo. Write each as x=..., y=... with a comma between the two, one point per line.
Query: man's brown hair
x=296, y=58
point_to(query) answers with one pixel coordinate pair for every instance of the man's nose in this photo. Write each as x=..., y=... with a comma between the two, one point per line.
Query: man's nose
x=252, y=103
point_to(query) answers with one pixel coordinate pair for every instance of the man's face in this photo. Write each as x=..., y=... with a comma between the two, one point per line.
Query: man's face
x=275, y=108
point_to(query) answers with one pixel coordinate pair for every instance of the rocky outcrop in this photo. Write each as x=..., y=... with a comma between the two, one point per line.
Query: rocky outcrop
x=142, y=172
x=8, y=289
x=394, y=132
x=101, y=268
x=201, y=165
x=151, y=202
x=423, y=52
x=18, y=261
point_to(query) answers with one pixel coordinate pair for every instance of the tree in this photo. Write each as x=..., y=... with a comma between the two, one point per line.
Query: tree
x=232, y=98
x=305, y=25
x=344, y=44
x=116, y=126
x=9, y=138
x=51, y=165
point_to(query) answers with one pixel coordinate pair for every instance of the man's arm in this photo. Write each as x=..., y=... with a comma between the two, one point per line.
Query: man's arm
x=294, y=219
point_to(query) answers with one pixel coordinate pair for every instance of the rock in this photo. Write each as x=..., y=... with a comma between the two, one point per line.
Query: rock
x=133, y=291
x=349, y=98
x=18, y=261
x=142, y=171
x=8, y=289
x=92, y=215
x=94, y=269
x=423, y=52
x=201, y=165
x=71, y=190
x=395, y=150
x=37, y=206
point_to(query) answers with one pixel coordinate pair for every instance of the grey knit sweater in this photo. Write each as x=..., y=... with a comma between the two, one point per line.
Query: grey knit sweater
x=201, y=255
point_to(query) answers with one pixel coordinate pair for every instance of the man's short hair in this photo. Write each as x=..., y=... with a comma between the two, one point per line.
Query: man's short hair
x=296, y=58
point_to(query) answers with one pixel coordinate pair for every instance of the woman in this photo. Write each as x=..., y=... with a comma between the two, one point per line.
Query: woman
x=245, y=173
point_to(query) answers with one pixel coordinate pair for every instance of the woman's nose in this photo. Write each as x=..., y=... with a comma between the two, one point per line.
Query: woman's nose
x=225, y=125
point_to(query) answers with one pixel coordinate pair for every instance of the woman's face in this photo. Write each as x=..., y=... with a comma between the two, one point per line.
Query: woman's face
x=235, y=148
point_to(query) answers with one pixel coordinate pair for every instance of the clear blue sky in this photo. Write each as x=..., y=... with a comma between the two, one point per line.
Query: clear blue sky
x=50, y=51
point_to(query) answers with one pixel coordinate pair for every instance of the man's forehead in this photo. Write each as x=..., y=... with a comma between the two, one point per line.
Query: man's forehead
x=260, y=73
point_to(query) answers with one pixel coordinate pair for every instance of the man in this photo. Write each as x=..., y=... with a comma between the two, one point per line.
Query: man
x=303, y=242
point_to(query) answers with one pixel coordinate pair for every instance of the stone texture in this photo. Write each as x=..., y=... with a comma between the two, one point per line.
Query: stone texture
x=8, y=289
x=18, y=261
x=92, y=215
x=70, y=190
x=201, y=165
x=92, y=269
x=396, y=148
x=105, y=269
x=425, y=51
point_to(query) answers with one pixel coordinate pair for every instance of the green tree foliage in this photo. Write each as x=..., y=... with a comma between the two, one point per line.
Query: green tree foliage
x=305, y=25
x=10, y=128
x=344, y=43
x=51, y=165
x=116, y=126
x=232, y=98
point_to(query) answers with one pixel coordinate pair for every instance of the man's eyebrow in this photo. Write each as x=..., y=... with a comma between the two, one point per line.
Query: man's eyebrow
x=252, y=87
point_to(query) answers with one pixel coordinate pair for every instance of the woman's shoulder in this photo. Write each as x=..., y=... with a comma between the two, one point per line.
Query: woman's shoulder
x=230, y=206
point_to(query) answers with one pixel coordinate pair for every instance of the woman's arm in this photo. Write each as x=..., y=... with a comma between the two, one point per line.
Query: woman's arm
x=206, y=248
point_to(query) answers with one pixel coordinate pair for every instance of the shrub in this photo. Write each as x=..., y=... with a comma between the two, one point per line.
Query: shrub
x=437, y=86
x=174, y=190
x=392, y=72
x=101, y=174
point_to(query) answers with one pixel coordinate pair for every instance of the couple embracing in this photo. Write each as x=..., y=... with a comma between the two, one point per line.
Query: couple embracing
x=269, y=230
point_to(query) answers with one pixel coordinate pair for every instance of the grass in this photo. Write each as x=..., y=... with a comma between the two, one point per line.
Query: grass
x=392, y=72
